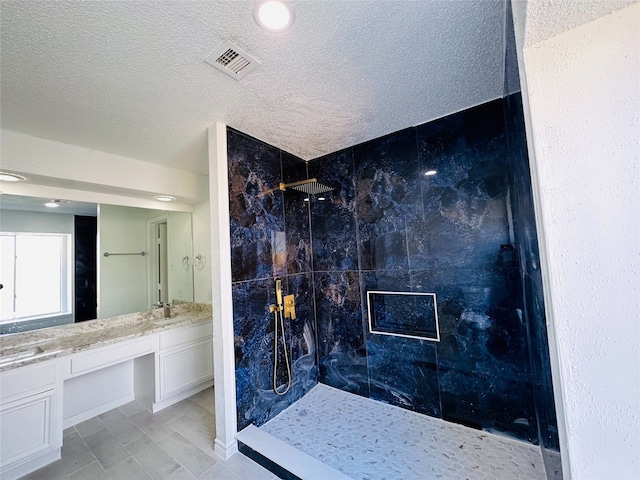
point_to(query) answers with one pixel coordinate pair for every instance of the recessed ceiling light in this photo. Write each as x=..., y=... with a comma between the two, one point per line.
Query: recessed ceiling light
x=165, y=198
x=52, y=204
x=428, y=173
x=273, y=15
x=11, y=177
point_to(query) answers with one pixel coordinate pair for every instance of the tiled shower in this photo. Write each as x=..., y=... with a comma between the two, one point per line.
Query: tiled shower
x=466, y=234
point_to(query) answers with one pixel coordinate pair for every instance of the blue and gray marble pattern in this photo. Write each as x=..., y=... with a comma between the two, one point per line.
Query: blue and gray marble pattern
x=466, y=234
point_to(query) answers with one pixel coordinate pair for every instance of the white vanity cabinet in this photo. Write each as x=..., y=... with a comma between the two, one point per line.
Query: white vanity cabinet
x=158, y=366
x=183, y=363
x=30, y=419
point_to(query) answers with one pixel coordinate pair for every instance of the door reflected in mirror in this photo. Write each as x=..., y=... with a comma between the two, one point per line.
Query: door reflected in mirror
x=134, y=282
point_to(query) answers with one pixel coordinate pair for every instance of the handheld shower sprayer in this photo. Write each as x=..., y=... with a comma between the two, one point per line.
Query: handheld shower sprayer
x=279, y=292
x=277, y=310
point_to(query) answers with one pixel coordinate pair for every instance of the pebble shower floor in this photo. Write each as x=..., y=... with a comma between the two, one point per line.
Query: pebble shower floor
x=370, y=440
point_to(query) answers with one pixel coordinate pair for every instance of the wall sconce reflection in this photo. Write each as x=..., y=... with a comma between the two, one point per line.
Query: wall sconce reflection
x=199, y=262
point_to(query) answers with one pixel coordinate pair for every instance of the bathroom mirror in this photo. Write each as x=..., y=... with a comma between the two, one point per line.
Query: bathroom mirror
x=103, y=260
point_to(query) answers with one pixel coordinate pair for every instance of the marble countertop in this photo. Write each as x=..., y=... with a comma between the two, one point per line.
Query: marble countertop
x=26, y=348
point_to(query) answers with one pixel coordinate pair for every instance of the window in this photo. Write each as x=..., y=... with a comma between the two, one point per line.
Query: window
x=36, y=275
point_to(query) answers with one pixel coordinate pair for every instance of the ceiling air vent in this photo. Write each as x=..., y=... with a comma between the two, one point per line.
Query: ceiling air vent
x=232, y=60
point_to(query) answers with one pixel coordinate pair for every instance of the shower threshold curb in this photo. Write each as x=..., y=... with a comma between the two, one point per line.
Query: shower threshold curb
x=290, y=458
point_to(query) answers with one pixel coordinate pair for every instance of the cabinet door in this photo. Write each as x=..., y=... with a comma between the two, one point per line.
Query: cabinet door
x=26, y=427
x=185, y=367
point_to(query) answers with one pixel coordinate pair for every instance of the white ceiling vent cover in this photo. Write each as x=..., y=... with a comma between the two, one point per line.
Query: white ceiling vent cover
x=232, y=60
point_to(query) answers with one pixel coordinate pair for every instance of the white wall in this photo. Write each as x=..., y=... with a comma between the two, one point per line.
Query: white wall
x=201, y=215
x=584, y=101
x=224, y=374
x=97, y=392
x=102, y=177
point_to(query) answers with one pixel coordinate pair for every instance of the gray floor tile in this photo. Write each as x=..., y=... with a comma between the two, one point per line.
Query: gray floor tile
x=75, y=453
x=170, y=413
x=205, y=399
x=53, y=471
x=131, y=408
x=197, y=433
x=180, y=446
x=153, y=459
x=128, y=469
x=190, y=456
x=93, y=471
x=244, y=467
x=181, y=474
x=151, y=425
x=123, y=428
x=89, y=427
x=106, y=447
x=219, y=472
x=199, y=414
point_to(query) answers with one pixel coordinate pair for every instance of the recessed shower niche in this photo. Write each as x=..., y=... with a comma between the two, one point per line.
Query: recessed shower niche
x=403, y=314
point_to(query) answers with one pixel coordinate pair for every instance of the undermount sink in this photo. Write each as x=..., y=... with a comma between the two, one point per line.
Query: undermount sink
x=167, y=321
x=23, y=354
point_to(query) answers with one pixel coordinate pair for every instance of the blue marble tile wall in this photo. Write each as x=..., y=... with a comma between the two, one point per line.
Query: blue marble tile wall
x=270, y=238
x=526, y=241
x=388, y=226
x=462, y=234
x=530, y=277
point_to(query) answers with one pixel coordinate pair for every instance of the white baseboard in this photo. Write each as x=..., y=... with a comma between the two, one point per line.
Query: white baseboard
x=99, y=410
x=225, y=451
x=167, y=402
x=27, y=466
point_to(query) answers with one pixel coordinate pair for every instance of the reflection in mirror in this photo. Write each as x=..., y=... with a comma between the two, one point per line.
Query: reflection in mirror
x=54, y=271
x=132, y=282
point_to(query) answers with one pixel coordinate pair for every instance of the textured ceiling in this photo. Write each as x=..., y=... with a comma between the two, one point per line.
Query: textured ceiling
x=129, y=77
x=547, y=18
x=36, y=204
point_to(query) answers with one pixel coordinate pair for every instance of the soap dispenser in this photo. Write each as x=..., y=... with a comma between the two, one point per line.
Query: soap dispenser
x=167, y=310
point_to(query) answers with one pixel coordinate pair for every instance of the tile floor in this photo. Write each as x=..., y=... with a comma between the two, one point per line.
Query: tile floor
x=130, y=443
x=370, y=440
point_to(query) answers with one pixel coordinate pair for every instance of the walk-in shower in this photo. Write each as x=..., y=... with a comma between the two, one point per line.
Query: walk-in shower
x=473, y=364
x=390, y=228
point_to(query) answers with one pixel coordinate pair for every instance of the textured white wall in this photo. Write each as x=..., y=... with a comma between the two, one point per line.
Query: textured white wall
x=224, y=373
x=584, y=98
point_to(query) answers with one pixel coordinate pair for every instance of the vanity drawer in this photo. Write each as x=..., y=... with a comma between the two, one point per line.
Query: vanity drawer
x=110, y=355
x=28, y=380
x=179, y=336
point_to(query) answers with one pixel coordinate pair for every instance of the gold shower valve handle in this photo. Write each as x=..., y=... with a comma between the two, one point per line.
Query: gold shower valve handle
x=290, y=307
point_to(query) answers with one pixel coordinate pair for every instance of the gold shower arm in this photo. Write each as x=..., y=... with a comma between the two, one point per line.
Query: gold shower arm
x=284, y=186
